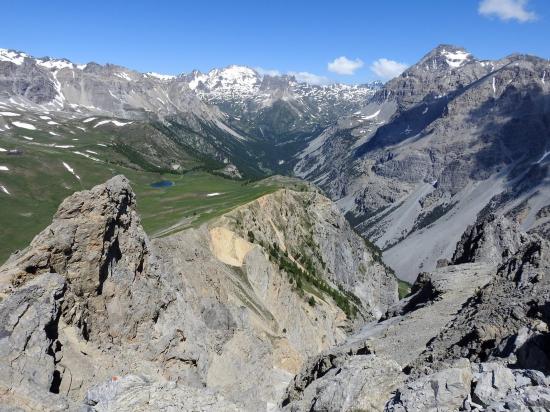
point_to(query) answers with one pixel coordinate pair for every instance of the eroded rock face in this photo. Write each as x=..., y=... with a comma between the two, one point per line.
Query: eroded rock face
x=28, y=344
x=131, y=393
x=311, y=230
x=94, y=312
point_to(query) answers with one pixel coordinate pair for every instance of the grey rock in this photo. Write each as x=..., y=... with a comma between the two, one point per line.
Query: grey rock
x=29, y=345
x=443, y=391
x=491, y=311
x=493, y=382
x=493, y=240
x=138, y=393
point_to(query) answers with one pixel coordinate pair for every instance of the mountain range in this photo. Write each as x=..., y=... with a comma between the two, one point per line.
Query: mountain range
x=230, y=114
x=402, y=264
x=411, y=162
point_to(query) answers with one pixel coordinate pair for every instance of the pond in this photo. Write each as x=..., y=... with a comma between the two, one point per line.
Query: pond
x=162, y=183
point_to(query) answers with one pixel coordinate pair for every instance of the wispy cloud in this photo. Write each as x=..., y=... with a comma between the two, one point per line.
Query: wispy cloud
x=343, y=65
x=306, y=77
x=267, y=72
x=507, y=10
x=387, y=69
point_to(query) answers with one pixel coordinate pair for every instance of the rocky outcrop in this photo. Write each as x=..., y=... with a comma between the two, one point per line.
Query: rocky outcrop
x=441, y=391
x=392, y=344
x=219, y=317
x=28, y=345
x=493, y=240
x=474, y=387
x=93, y=267
x=507, y=318
x=472, y=336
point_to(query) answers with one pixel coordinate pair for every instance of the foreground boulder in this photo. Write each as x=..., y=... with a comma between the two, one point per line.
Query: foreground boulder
x=96, y=315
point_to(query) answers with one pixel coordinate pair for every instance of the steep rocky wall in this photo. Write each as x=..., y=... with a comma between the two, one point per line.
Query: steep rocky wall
x=311, y=230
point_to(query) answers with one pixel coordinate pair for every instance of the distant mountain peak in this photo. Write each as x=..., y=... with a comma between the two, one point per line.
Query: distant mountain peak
x=444, y=57
x=12, y=56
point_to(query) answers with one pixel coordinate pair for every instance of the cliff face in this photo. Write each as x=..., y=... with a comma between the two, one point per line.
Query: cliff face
x=94, y=313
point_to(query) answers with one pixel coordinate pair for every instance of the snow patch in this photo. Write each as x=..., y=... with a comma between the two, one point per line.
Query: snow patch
x=372, y=116
x=71, y=170
x=213, y=194
x=87, y=156
x=161, y=76
x=4, y=189
x=24, y=125
x=89, y=119
x=115, y=122
x=543, y=157
x=9, y=114
x=455, y=59
x=124, y=76
x=55, y=64
x=27, y=138
x=4, y=168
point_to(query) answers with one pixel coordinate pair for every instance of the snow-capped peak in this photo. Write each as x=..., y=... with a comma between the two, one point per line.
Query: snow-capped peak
x=239, y=77
x=55, y=63
x=12, y=56
x=161, y=76
x=234, y=72
x=228, y=81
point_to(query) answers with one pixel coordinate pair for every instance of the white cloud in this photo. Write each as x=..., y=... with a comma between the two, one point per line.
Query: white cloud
x=343, y=65
x=306, y=77
x=507, y=10
x=387, y=69
x=267, y=72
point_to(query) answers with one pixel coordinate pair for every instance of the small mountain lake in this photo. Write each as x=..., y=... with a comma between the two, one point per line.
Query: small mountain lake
x=162, y=183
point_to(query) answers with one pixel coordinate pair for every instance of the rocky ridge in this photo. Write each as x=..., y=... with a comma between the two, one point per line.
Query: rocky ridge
x=471, y=337
x=98, y=316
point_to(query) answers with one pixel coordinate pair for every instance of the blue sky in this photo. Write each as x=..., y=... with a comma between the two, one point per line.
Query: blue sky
x=287, y=36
